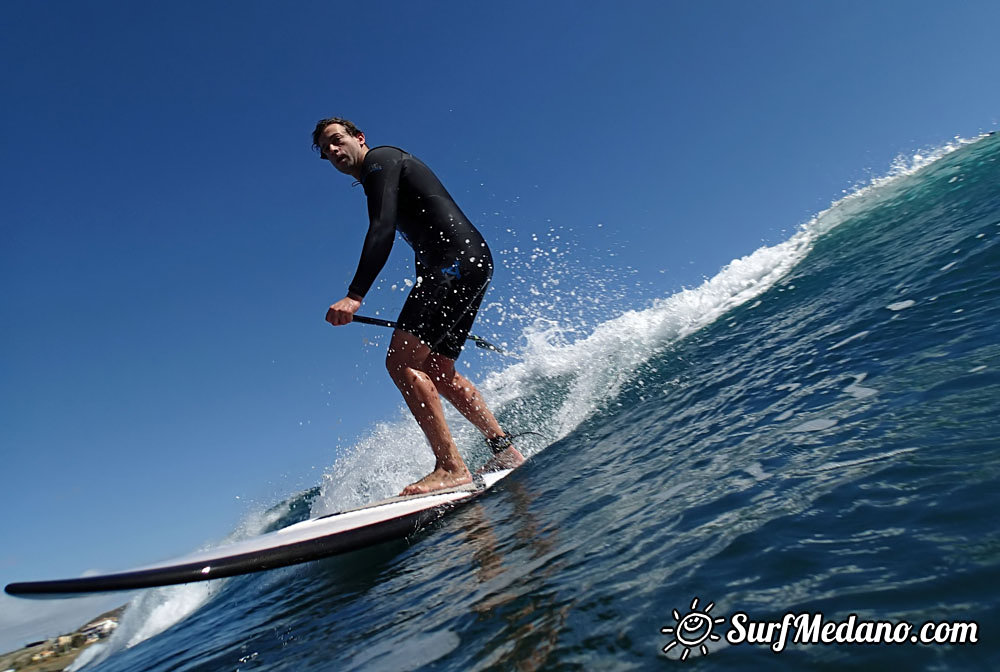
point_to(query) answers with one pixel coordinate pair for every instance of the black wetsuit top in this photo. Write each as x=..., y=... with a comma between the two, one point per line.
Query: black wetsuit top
x=405, y=196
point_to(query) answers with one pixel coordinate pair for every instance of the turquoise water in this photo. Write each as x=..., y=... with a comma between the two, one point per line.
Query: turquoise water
x=814, y=430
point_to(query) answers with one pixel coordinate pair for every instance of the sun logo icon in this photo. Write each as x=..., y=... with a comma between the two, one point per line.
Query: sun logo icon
x=692, y=630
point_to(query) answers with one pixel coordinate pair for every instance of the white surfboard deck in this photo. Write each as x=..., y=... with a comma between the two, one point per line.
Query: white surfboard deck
x=308, y=540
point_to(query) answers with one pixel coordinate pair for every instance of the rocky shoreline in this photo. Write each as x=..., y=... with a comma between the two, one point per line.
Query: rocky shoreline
x=58, y=653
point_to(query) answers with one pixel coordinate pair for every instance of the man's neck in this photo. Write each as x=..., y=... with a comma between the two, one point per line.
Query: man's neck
x=361, y=165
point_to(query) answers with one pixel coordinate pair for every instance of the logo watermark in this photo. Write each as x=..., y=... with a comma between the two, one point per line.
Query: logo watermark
x=694, y=631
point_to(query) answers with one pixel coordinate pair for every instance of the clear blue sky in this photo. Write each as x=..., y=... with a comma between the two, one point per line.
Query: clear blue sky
x=169, y=244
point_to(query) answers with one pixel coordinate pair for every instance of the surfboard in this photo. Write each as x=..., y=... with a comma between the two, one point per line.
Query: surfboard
x=311, y=539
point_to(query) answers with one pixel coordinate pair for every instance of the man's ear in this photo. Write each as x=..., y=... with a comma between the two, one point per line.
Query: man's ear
x=361, y=137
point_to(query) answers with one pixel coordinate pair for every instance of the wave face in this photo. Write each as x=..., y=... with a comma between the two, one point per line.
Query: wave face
x=812, y=430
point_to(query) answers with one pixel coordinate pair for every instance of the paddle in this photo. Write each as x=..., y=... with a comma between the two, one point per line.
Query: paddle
x=479, y=341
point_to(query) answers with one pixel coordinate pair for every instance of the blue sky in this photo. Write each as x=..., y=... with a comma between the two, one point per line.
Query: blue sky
x=170, y=243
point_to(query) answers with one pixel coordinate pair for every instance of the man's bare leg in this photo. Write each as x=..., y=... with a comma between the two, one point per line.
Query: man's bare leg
x=405, y=359
x=464, y=396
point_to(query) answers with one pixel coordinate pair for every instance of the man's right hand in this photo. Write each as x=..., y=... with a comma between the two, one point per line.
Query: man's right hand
x=343, y=311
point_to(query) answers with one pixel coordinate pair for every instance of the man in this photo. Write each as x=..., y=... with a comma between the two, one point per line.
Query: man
x=454, y=268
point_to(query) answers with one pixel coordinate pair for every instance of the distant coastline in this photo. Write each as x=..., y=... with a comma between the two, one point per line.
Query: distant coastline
x=58, y=653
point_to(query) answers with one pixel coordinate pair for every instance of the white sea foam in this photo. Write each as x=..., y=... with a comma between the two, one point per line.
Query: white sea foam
x=602, y=362
x=847, y=340
x=859, y=392
x=817, y=425
x=152, y=611
x=901, y=305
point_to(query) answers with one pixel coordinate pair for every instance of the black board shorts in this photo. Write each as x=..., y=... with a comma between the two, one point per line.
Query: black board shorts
x=443, y=305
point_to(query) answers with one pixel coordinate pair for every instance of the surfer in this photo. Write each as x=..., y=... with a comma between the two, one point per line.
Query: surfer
x=454, y=268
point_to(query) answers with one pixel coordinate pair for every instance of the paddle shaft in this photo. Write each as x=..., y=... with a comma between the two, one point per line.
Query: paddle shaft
x=479, y=341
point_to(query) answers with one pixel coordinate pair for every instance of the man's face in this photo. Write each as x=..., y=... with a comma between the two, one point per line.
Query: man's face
x=342, y=149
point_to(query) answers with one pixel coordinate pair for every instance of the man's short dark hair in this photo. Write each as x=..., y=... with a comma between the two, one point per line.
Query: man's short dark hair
x=323, y=123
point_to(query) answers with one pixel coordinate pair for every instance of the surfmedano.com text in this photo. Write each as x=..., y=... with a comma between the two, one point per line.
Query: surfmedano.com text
x=815, y=629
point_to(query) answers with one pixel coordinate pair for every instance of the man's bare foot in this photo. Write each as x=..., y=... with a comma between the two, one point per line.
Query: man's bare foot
x=506, y=459
x=439, y=479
